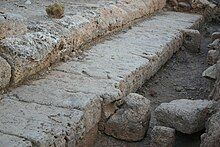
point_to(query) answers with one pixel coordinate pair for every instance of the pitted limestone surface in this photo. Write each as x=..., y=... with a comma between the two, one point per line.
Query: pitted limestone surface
x=13, y=141
x=42, y=125
x=66, y=104
x=43, y=40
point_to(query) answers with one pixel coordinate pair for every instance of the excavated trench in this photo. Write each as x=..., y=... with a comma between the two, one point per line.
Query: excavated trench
x=180, y=78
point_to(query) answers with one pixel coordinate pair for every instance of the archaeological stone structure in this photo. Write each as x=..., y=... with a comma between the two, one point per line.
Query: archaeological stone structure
x=71, y=69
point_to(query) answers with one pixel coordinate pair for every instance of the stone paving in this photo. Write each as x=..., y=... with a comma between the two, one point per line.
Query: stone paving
x=61, y=108
x=31, y=41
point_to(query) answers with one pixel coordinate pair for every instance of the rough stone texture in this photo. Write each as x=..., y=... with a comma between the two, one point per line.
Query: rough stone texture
x=130, y=122
x=162, y=137
x=13, y=141
x=42, y=125
x=192, y=40
x=212, y=136
x=12, y=24
x=104, y=75
x=55, y=10
x=215, y=44
x=60, y=91
x=202, y=4
x=186, y=116
x=213, y=56
x=210, y=72
x=5, y=73
x=48, y=40
x=215, y=94
x=215, y=35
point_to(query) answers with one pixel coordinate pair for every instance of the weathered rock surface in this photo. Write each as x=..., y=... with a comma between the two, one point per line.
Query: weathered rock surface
x=215, y=35
x=210, y=72
x=192, y=40
x=42, y=125
x=55, y=10
x=215, y=94
x=86, y=84
x=162, y=137
x=5, y=73
x=12, y=24
x=13, y=141
x=130, y=122
x=47, y=40
x=202, y=4
x=186, y=116
x=212, y=136
x=213, y=56
x=215, y=44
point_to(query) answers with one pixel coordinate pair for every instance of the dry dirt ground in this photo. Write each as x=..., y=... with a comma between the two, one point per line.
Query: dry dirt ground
x=181, y=77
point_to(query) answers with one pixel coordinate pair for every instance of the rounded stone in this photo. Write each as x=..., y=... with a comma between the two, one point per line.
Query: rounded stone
x=5, y=73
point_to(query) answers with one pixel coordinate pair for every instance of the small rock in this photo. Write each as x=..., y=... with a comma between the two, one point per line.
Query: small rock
x=184, y=5
x=212, y=57
x=216, y=35
x=186, y=116
x=28, y=2
x=210, y=72
x=131, y=121
x=215, y=44
x=192, y=40
x=212, y=136
x=215, y=94
x=162, y=137
x=55, y=10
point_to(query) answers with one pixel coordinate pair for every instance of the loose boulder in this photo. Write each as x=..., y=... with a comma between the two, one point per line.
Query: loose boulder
x=212, y=57
x=192, y=40
x=186, y=116
x=215, y=94
x=212, y=136
x=131, y=121
x=162, y=137
x=210, y=72
x=215, y=35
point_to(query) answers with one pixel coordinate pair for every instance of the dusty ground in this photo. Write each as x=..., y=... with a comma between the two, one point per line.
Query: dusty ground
x=179, y=78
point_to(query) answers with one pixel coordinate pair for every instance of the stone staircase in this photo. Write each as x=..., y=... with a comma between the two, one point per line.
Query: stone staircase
x=65, y=106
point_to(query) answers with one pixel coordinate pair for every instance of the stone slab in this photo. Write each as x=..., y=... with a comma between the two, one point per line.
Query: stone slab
x=47, y=40
x=104, y=74
x=13, y=141
x=42, y=125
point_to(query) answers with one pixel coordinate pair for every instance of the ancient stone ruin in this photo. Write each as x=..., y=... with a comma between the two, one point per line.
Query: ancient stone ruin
x=74, y=73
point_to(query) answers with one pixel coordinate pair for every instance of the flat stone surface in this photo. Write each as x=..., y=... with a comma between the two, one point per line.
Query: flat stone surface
x=13, y=141
x=42, y=125
x=107, y=72
x=186, y=116
x=43, y=40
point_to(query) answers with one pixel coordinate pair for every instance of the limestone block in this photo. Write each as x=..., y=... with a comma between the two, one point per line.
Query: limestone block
x=186, y=116
x=130, y=122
